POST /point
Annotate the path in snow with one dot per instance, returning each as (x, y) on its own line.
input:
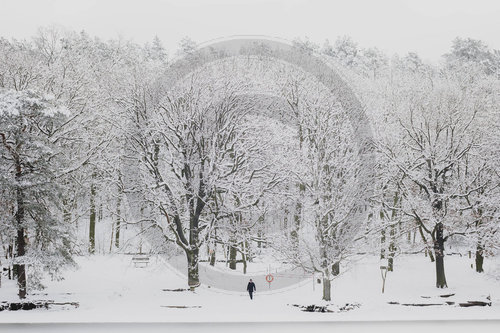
(237, 282)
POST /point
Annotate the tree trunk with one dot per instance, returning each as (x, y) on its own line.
(99, 212)
(440, 276)
(232, 256)
(323, 252)
(112, 236)
(390, 264)
(294, 234)
(212, 255)
(392, 249)
(244, 257)
(439, 251)
(479, 259)
(92, 219)
(326, 288)
(118, 223)
(66, 212)
(392, 235)
(382, 243)
(285, 220)
(260, 233)
(193, 273)
(249, 252)
(118, 212)
(213, 249)
(336, 268)
(10, 254)
(20, 268)
(297, 218)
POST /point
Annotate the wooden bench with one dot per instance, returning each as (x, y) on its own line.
(140, 261)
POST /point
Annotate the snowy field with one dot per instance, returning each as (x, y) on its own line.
(111, 289)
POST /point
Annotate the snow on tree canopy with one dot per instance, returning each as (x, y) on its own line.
(14, 102)
(31, 161)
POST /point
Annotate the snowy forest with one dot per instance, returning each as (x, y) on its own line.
(108, 149)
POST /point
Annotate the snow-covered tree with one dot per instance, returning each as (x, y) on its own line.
(194, 150)
(437, 120)
(329, 169)
(31, 156)
(468, 51)
(344, 50)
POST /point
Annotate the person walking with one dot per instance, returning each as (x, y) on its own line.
(251, 288)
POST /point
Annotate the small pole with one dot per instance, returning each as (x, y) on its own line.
(383, 272)
(313, 281)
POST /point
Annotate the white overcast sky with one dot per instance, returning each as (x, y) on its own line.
(395, 26)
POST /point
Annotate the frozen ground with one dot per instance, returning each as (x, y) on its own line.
(110, 289)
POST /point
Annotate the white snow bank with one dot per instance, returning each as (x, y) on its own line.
(110, 289)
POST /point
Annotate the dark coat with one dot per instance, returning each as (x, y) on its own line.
(251, 287)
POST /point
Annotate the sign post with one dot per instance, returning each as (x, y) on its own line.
(269, 279)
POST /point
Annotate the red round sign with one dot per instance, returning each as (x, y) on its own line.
(269, 278)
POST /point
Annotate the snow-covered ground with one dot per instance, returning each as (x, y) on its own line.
(221, 277)
(111, 289)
